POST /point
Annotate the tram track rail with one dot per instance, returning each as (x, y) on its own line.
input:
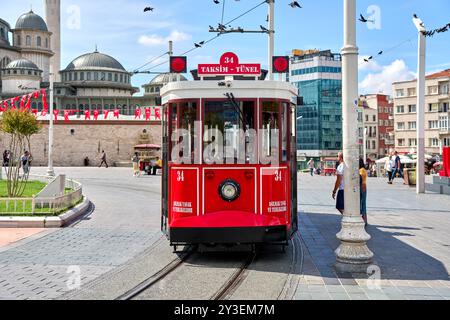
(157, 277)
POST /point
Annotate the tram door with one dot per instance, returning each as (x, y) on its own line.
(294, 204)
(165, 171)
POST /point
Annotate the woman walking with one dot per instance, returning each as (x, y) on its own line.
(363, 190)
(136, 169)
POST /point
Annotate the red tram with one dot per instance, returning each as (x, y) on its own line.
(229, 154)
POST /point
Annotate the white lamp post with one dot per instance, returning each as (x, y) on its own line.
(352, 255)
(50, 171)
(420, 168)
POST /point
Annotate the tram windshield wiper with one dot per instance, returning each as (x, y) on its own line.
(234, 103)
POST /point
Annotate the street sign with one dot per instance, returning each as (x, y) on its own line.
(229, 66)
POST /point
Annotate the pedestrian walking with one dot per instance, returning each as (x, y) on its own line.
(363, 190)
(6, 157)
(25, 161)
(389, 167)
(103, 159)
(136, 169)
(397, 166)
(311, 166)
(339, 184)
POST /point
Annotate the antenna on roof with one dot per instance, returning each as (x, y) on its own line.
(96, 48)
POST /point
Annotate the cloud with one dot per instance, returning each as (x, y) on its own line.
(368, 66)
(157, 40)
(381, 81)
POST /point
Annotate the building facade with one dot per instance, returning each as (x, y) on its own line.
(437, 99)
(318, 77)
(378, 123)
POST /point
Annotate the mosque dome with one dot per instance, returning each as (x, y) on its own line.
(95, 60)
(32, 21)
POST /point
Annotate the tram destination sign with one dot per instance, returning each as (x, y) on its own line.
(229, 66)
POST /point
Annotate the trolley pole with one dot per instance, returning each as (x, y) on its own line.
(352, 255)
(271, 33)
(50, 171)
(420, 168)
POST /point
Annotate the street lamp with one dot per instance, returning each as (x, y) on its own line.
(50, 171)
(352, 255)
(420, 168)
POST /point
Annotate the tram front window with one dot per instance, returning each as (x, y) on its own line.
(229, 132)
(183, 118)
(270, 131)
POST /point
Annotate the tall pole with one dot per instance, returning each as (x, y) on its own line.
(352, 255)
(365, 144)
(271, 28)
(50, 171)
(420, 169)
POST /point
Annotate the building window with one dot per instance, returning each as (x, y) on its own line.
(432, 90)
(103, 76)
(121, 78)
(88, 76)
(82, 76)
(39, 41)
(19, 41)
(400, 109)
(444, 89)
(443, 123)
(444, 107)
(116, 77)
(433, 142)
(412, 108)
(400, 126)
(399, 93)
(412, 125)
(433, 124)
(446, 142)
(401, 142)
(109, 76)
(95, 76)
(433, 107)
(28, 41)
(412, 142)
(46, 42)
(411, 92)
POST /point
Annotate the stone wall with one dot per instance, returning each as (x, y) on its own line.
(77, 140)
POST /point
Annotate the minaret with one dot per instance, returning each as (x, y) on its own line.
(53, 20)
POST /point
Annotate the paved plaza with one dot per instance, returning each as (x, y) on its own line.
(410, 240)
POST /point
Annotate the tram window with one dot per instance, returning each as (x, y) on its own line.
(270, 132)
(284, 130)
(229, 132)
(182, 130)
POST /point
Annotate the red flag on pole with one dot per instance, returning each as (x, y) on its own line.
(66, 115)
(87, 115)
(22, 101)
(55, 113)
(116, 113)
(36, 94)
(35, 112)
(148, 114)
(157, 113)
(44, 99)
(137, 113)
(44, 112)
(105, 113)
(96, 114)
(28, 104)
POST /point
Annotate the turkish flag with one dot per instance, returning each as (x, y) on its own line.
(55, 113)
(28, 104)
(36, 94)
(116, 113)
(157, 113)
(148, 114)
(137, 113)
(44, 99)
(66, 115)
(22, 101)
(5, 105)
(105, 113)
(87, 115)
(44, 112)
(96, 113)
(35, 112)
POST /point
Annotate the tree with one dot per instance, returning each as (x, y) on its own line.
(20, 126)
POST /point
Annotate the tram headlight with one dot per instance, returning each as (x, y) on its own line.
(229, 190)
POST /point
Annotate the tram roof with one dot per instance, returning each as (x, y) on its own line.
(214, 89)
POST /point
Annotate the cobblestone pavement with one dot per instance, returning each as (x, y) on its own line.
(410, 240)
(125, 222)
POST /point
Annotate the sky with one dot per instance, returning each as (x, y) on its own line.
(121, 29)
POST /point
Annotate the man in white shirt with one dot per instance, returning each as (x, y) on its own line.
(311, 166)
(339, 185)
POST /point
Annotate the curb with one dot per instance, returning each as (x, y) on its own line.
(46, 222)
